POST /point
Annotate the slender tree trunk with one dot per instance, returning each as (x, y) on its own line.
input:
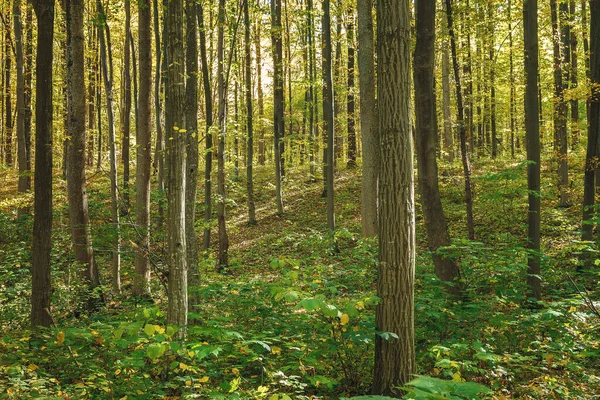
(223, 258)
(573, 72)
(28, 74)
(395, 358)
(91, 65)
(310, 37)
(161, 83)
(328, 114)
(126, 101)
(288, 74)
(350, 95)
(99, 107)
(448, 141)
(208, 104)
(176, 183)
(192, 158)
(42, 221)
(76, 183)
(495, 139)
(107, 73)
(461, 125)
(24, 180)
(513, 90)
(368, 118)
(278, 98)
(259, 90)
(433, 213)
(249, 117)
(530, 28)
(8, 112)
(141, 286)
(560, 110)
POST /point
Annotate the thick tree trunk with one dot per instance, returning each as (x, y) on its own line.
(310, 37)
(141, 279)
(368, 118)
(8, 111)
(395, 358)
(513, 91)
(249, 117)
(107, 73)
(278, 98)
(448, 141)
(76, 183)
(28, 74)
(91, 66)
(461, 126)
(176, 184)
(42, 221)
(433, 213)
(126, 101)
(208, 104)
(192, 160)
(351, 163)
(532, 136)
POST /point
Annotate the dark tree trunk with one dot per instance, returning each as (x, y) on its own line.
(22, 152)
(350, 95)
(328, 114)
(126, 101)
(278, 99)
(433, 213)
(249, 117)
(532, 136)
(8, 112)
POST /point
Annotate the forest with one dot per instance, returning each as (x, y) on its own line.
(299, 199)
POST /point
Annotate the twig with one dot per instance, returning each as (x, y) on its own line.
(586, 297)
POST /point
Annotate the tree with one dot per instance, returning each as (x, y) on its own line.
(368, 118)
(107, 75)
(126, 105)
(176, 183)
(395, 358)
(433, 213)
(143, 153)
(8, 113)
(278, 98)
(532, 137)
(42, 222)
(76, 182)
(249, 117)
(350, 95)
(328, 115)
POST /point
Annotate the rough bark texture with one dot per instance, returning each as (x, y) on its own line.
(433, 213)
(573, 72)
(461, 125)
(249, 117)
(448, 141)
(395, 358)
(76, 183)
(278, 98)
(141, 278)
(310, 95)
(126, 106)
(350, 94)
(22, 141)
(42, 222)
(328, 114)
(368, 118)
(259, 93)
(530, 27)
(176, 184)
(191, 124)
(8, 112)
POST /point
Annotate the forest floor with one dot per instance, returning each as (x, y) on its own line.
(293, 315)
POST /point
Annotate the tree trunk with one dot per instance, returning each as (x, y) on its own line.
(28, 74)
(350, 96)
(278, 98)
(91, 65)
(395, 358)
(76, 182)
(310, 37)
(573, 72)
(126, 101)
(249, 117)
(42, 220)
(448, 142)
(368, 119)
(532, 136)
(328, 114)
(141, 281)
(513, 90)
(433, 213)
(176, 184)
(192, 161)
(208, 104)
(8, 112)
(259, 90)
(461, 126)
(107, 73)
(560, 110)
(24, 168)
(223, 257)
(593, 124)
(495, 139)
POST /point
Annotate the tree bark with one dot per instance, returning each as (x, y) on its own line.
(278, 98)
(433, 213)
(259, 93)
(351, 163)
(328, 114)
(176, 184)
(22, 143)
(530, 27)
(368, 119)
(42, 220)
(249, 117)
(395, 358)
(448, 142)
(8, 112)
(141, 281)
(126, 101)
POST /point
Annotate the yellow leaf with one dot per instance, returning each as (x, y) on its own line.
(171, 138)
(139, 392)
(344, 319)
(275, 350)
(32, 367)
(204, 379)
(175, 128)
(99, 340)
(159, 329)
(572, 309)
(549, 358)
(191, 354)
(183, 367)
(60, 337)
(456, 377)
(235, 371)
(117, 372)
(188, 383)
(436, 371)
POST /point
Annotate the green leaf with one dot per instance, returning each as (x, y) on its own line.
(149, 329)
(329, 310)
(155, 350)
(310, 304)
